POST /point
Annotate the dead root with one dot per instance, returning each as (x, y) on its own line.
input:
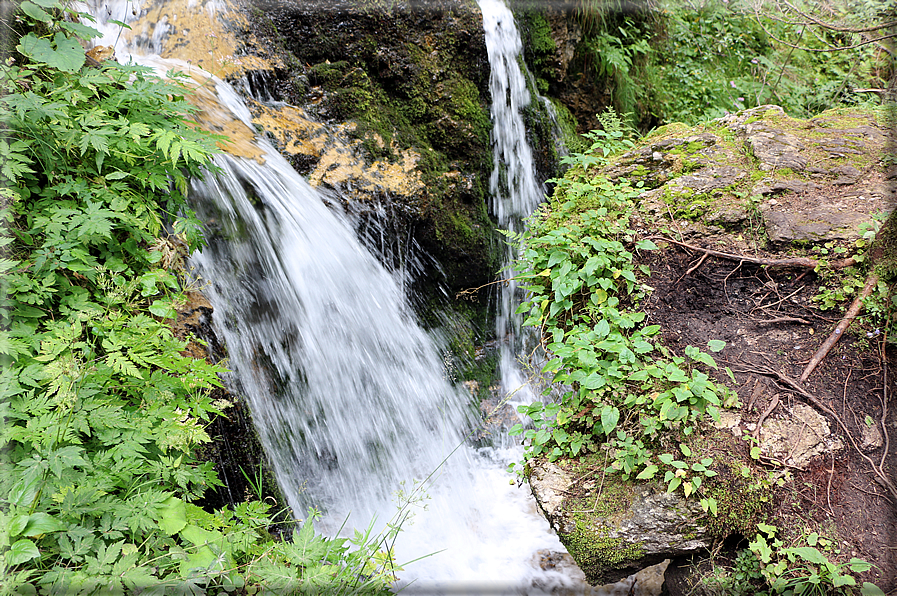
(784, 381)
(792, 262)
(849, 316)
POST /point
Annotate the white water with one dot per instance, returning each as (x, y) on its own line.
(515, 190)
(347, 392)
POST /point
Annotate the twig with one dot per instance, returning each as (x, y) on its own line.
(828, 490)
(699, 263)
(879, 471)
(772, 406)
(783, 320)
(802, 262)
(851, 314)
(777, 302)
(468, 291)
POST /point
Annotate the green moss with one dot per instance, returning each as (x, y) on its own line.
(539, 48)
(595, 551)
(573, 141)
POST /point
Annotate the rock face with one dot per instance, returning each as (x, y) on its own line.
(387, 105)
(615, 529)
(805, 180)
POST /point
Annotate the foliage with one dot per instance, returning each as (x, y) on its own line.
(102, 410)
(837, 287)
(626, 393)
(793, 570)
(689, 62)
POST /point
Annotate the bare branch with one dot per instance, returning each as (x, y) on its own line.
(832, 49)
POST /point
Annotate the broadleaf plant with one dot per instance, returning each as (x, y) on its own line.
(624, 388)
(103, 409)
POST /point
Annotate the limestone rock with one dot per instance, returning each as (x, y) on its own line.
(620, 527)
(798, 437)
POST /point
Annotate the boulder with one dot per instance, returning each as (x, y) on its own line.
(803, 180)
(614, 528)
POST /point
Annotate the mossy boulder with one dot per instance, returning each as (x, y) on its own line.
(813, 180)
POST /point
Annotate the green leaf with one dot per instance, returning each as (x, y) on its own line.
(647, 473)
(163, 308)
(645, 245)
(843, 580)
(36, 13)
(674, 484)
(808, 553)
(16, 525)
(609, 418)
(870, 589)
(684, 449)
(859, 565)
(308, 547)
(42, 523)
(715, 345)
(24, 491)
(172, 515)
(80, 29)
(68, 56)
(21, 551)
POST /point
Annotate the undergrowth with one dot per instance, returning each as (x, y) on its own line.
(623, 393)
(102, 410)
(690, 62)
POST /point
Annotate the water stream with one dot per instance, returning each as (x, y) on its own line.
(348, 393)
(515, 190)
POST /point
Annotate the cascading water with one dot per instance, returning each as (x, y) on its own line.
(515, 190)
(347, 392)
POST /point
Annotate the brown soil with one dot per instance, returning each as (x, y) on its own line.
(769, 323)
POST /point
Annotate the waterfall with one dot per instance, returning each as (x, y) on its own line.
(515, 190)
(348, 394)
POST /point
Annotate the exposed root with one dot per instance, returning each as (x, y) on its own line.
(797, 262)
(851, 314)
(880, 477)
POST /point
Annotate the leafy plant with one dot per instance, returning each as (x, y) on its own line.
(797, 570)
(102, 408)
(625, 389)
